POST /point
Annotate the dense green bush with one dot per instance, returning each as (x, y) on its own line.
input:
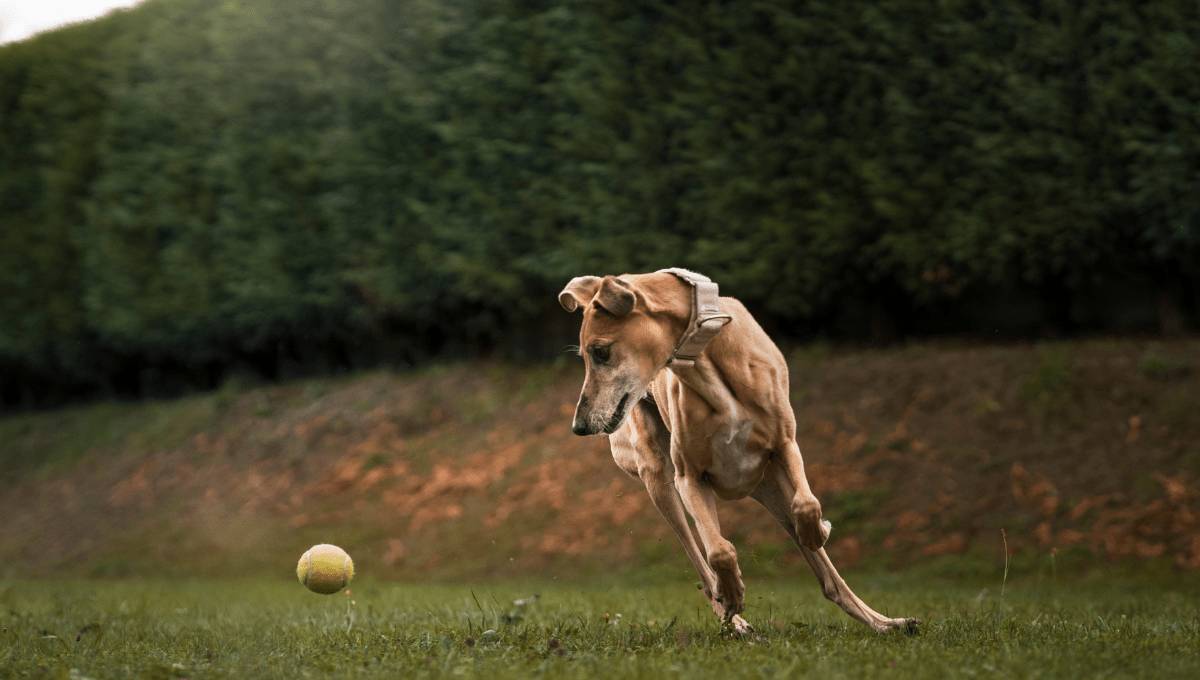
(193, 181)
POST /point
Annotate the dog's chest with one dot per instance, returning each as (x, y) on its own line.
(737, 464)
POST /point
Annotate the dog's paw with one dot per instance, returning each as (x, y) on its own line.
(901, 625)
(738, 626)
(725, 607)
(814, 535)
(729, 590)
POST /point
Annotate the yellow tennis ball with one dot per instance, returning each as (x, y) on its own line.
(325, 569)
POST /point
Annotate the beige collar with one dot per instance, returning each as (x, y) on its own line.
(707, 319)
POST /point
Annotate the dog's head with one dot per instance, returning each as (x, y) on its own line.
(625, 340)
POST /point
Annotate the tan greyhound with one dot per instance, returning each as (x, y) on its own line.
(699, 413)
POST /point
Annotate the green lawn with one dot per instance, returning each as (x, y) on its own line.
(1105, 625)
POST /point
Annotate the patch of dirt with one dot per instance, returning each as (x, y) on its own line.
(915, 453)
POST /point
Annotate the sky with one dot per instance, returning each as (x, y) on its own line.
(20, 19)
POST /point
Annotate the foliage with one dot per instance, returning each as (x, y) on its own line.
(54, 93)
(197, 182)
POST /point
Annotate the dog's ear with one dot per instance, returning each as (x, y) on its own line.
(579, 292)
(616, 296)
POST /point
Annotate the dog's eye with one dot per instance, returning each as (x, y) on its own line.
(600, 354)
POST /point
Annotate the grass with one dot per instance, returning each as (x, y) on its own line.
(1159, 366)
(43, 443)
(1049, 386)
(1110, 625)
(51, 441)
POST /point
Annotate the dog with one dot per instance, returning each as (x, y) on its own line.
(694, 397)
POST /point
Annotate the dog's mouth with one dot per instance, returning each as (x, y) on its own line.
(618, 415)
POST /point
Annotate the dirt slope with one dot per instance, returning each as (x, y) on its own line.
(471, 471)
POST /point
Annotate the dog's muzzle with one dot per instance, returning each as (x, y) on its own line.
(618, 415)
(582, 425)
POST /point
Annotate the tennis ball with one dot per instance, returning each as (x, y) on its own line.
(325, 569)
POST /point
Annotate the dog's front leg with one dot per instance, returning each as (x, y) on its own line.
(639, 448)
(661, 488)
(811, 529)
(701, 503)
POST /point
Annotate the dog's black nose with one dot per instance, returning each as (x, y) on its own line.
(580, 428)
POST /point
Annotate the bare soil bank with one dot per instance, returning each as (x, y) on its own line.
(472, 471)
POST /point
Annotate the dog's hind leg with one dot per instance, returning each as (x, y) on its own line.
(640, 448)
(836, 590)
(776, 495)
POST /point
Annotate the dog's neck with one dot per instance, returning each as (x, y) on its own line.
(690, 363)
(706, 318)
(706, 378)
